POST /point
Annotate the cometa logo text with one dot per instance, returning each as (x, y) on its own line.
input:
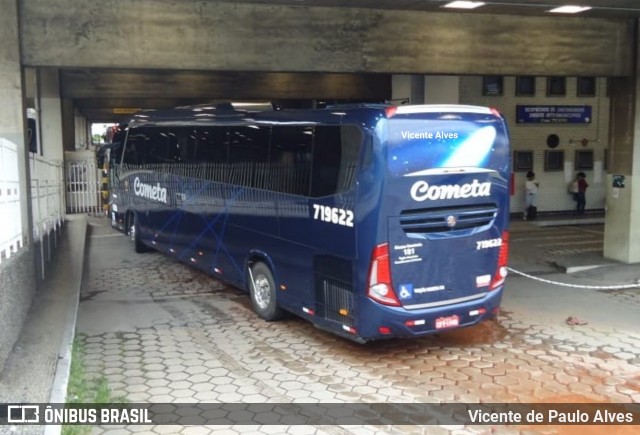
(422, 191)
(148, 191)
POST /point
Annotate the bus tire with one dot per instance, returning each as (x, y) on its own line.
(134, 234)
(262, 288)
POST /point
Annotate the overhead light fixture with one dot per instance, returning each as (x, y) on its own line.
(125, 110)
(570, 9)
(464, 5)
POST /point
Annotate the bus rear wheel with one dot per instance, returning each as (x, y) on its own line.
(263, 293)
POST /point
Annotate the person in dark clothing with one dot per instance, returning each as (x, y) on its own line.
(531, 190)
(582, 190)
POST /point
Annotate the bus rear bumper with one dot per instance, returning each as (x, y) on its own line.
(388, 322)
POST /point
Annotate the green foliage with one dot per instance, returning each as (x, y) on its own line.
(83, 389)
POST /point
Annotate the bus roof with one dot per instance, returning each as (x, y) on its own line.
(252, 113)
(436, 108)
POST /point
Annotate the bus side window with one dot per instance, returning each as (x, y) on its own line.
(181, 142)
(150, 145)
(248, 144)
(117, 147)
(290, 159)
(248, 150)
(351, 145)
(212, 145)
(327, 155)
(132, 149)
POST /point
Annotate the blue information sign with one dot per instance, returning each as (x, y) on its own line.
(553, 114)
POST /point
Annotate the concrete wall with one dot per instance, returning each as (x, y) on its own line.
(552, 195)
(50, 114)
(442, 89)
(169, 34)
(407, 89)
(622, 221)
(17, 283)
(17, 288)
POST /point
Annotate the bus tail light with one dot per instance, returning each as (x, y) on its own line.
(384, 330)
(380, 288)
(503, 257)
(390, 111)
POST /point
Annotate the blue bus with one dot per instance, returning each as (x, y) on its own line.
(371, 221)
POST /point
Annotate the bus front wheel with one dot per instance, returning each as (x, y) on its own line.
(263, 293)
(134, 234)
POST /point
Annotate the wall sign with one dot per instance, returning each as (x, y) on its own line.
(553, 114)
(618, 181)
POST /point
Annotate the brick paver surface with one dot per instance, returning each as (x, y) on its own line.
(208, 346)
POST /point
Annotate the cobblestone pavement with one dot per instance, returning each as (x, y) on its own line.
(161, 332)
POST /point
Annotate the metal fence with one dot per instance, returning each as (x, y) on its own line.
(47, 202)
(11, 237)
(47, 194)
(83, 185)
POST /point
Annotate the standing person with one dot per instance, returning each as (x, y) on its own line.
(531, 190)
(582, 190)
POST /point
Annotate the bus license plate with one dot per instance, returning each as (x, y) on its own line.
(447, 322)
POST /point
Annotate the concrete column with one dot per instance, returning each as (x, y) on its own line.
(13, 108)
(50, 114)
(17, 282)
(407, 89)
(68, 125)
(441, 89)
(83, 138)
(622, 221)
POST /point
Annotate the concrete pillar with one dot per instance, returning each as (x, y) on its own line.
(622, 221)
(407, 89)
(13, 108)
(83, 138)
(50, 114)
(68, 125)
(17, 283)
(441, 89)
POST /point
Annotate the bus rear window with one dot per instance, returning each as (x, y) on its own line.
(420, 146)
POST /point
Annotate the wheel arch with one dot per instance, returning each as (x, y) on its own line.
(129, 215)
(258, 256)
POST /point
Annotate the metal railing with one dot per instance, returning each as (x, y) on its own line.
(47, 204)
(47, 195)
(83, 186)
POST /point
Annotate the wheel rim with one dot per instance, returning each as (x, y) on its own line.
(262, 291)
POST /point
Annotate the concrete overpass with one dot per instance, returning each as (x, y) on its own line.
(74, 62)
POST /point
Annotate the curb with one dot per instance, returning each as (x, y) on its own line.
(63, 367)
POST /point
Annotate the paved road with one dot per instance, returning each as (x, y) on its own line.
(162, 332)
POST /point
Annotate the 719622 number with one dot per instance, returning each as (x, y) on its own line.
(333, 215)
